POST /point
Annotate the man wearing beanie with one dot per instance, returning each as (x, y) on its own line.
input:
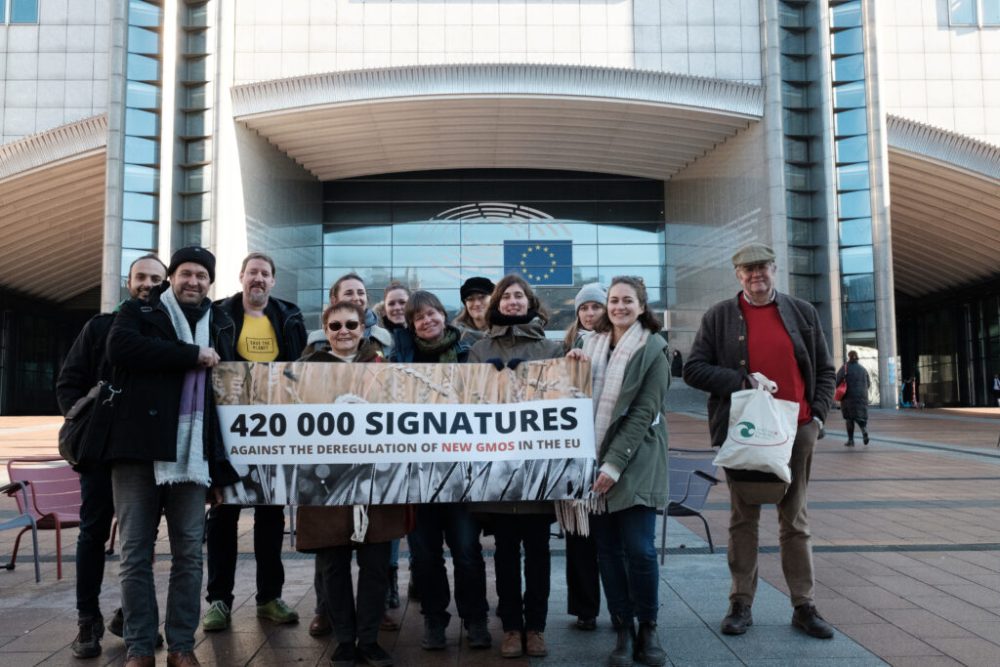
(166, 447)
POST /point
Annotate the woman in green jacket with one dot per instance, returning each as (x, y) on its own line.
(631, 375)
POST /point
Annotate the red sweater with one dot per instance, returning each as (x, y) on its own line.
(770, 351)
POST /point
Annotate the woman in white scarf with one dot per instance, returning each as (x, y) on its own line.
(631, 375)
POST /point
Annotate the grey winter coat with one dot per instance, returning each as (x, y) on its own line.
(854, 405)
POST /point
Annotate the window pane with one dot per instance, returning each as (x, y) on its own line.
(793, 68)
(139, 207)
(421, 232)
(196, 180)
(796, 178)
(853, 149)
(793, 42)
(858, 288)
(794, 96)
(856, 204)
(849, 68)
(853, 177)
(848, 41)
(143, 13)
(850, 122)
(137, 234)
(790, 16)
(426, 255)
(198, 151)
(3, 12)
(366, 234)
(141, 40)
(141, 151)
(143, 68)
(197, 16)
(991, 12)
(24, 11)
(141, 179)
(646, 255)
(856, 260)
(141, 123)
(194, 123)
(796, 150)
(196, 207)
(962, 12)
(195, 70)
(846, 15)
(142, 95)
(350, 256)
(848, 96)
(799, 205)
(796, 122)
(624, 234)
(857, 231)
(859, 316)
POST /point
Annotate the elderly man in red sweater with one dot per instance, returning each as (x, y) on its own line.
(780, 336)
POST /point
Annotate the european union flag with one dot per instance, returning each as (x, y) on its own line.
(540, 262)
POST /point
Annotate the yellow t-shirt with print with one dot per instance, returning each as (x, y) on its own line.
(257, 340)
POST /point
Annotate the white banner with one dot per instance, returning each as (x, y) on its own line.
(408, 433)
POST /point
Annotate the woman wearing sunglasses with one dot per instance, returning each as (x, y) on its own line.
(326, 531)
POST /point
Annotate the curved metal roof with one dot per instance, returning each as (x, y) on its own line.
(609, 120)
(944, 193)
(52, 203)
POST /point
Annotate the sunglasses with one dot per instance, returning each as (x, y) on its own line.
(337, 326)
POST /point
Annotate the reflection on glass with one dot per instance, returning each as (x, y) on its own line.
(793, 69)
(197, 151)
(141, 40)
(358, 255)
(139, 206)
(859, 316)
(800, 260)
(196, 207)
(195, 180)
(360, 234)
(858, 288)
(492, 232)
(137, 234)
(793, 42)
(799, 204)
(195, 69)
(854, 204)
(141, 151)
(790, 16)
(142, 68)
(848, 41)
(197, 16)
(796, 150)
(196, 42)
(849, 68)
(796, 177)
(195, 97)
(141, 179)
(846, 15)
(853, 176)
(856, 260)
(24, 11)
(849, 95)
(427, 255)
(852, 149)
(794, 96)
(795, 122)
(962, 12)
(194, 124)
(647, 254)
(142, 95)
(141, 123)
(991, 12)
(850, 122)
(856, 231)
(610, 233)
(144, 14)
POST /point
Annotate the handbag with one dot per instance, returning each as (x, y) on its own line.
(761, 431)
(841, 389)
(84, 435)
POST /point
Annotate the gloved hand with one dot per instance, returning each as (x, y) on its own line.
(496, 361)
(514, 363)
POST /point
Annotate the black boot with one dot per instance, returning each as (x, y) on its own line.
(624, 645)
(392, 592)
(647, 649)
(87, 643)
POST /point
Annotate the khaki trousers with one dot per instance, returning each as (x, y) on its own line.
(793, 523)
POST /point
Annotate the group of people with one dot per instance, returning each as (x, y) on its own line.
(164, 456)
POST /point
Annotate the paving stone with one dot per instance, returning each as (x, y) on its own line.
(922, 623)
(887, 640)
(973, 651)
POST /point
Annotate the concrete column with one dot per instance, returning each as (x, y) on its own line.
(111, 269)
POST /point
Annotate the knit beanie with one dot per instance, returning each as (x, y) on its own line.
(195, 254)
(592, 292)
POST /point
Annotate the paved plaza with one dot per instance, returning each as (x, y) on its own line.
(907, 546)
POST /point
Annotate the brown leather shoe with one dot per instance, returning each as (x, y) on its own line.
(140, 661)
(535, 644)
(512, 644)
(320, 626)
(182, 659)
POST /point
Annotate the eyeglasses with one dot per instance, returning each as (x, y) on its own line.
(337, 326)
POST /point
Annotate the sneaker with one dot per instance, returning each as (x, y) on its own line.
(116, 626)
(374, 655)
(88, 640)
(738, 620)
(434, 639)
(276, 610)
(478, 634)
(217, 617)
(512, 644)
(344, 656)
(807, 619)
(534, 642)
(320, 626)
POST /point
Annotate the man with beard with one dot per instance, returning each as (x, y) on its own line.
(86, 364)
(166, 447)
(267, 329)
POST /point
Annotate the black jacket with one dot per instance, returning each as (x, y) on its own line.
(149, 367)
(86, 363)
(286, 320)
(404, 349)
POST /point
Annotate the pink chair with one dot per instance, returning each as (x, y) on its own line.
(53, 497)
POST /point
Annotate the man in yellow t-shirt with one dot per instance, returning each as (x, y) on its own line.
(267, 329)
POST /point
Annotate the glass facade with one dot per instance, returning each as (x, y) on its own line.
(433, 230)
(141, 177)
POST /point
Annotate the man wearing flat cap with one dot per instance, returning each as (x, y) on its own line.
(780, 336)
(166, 447)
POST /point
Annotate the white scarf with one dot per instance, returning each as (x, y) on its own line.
(190, 464)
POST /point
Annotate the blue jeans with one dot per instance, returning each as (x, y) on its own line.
(138, 503)
(626, 556)
(451, 523)
(96, 513)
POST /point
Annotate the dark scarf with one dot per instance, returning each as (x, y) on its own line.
(443, 348)
(193, 314)
(498, 319)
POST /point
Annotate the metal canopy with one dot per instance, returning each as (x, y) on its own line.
(52, 210)
(945, 207)
(606, 120)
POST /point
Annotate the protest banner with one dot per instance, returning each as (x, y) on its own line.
(342, 434)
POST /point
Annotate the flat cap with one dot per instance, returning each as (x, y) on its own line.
(754, 253)
(476, 285)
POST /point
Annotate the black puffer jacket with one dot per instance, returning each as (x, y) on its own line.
(149, 366)
(286, 320)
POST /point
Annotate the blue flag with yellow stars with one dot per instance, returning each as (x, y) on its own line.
(540, 262)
